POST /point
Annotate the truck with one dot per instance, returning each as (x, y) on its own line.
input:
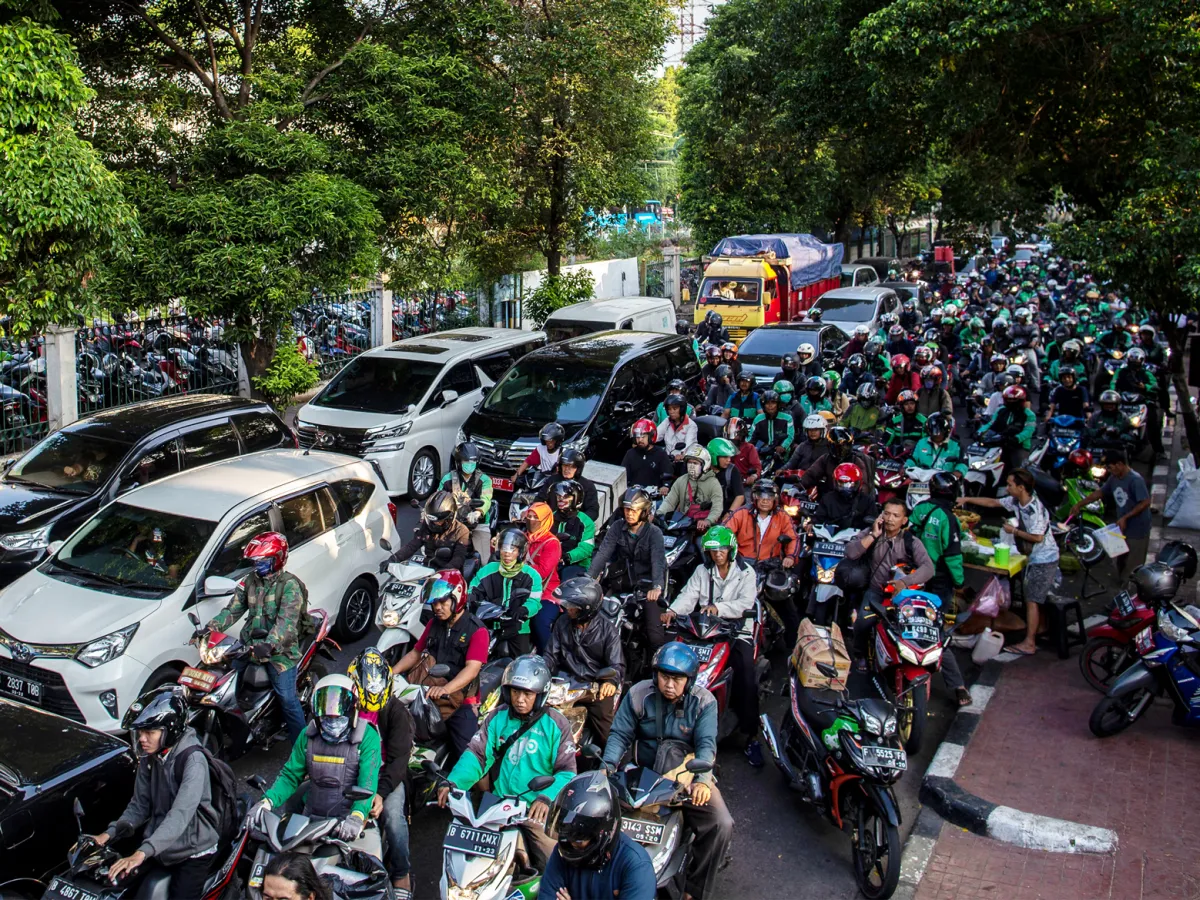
(759, 279)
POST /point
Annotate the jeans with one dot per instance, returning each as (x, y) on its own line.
(394, 823)
(284, 685)
(542, 623)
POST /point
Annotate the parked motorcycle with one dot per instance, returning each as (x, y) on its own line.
(1116, 643)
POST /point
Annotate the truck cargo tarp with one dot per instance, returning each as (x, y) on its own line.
(812, 260)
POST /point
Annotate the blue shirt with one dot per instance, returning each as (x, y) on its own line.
(628, 874)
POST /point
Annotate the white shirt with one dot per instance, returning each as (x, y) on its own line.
(764, 522)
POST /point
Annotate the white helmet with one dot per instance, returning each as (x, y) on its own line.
(807, 353)
(861, 331)
(697, 452)
(814, 422)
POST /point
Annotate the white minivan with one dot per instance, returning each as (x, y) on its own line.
(104, 619)
(653, 314)
(400, 406)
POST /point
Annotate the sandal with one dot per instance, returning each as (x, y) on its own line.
(964, 696)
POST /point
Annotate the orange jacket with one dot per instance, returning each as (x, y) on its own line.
(744, 525)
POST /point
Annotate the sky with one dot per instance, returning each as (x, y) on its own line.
(701, 10)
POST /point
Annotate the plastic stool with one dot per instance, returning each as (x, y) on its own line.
(1058, 610)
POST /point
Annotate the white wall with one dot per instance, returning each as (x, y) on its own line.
(606, 276)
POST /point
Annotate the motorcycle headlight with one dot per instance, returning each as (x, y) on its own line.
(390, 618)
(909, 655)
(27, 540)
(212, 654)
(1169, 629)
(1098, 472)
(107, 648)
(872, 725)
(1135, 421)
(889, 726)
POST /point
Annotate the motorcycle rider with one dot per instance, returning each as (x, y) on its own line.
(813, 447)
(763, 532)
(336, 751)
(697, 493)
(678, 429)
(910, 317)
(857, 341)
(855, 374)
(708, 372)
(658, 722)
(519, 741)
(510, 582)
(274, 601)
(635, 544)
(646, 463)
(1070, 357)
(729, 356)
(841, 449)
(372, 686)
(719, 391)
(545, 457)
(789, 370)
(543, 554)
(570, 468)
(902, 379)
(863, 414)
(806, 353)
(907, 424)
(726, 586)
(456, 638)
(575, 530)
(1108, 426)
(440, 528)
(677, 386)
(1135, 378)
(172, 801)
(878, 362)
(932, 397)
(1013, 427)
(851, 504)
(582, 644)
(815, 399)
(787, 399)
(733, 489)
(999, 366)
(746, 460)
(938, 449)
(1070, 398)
(745, 404)
(469, 485)
(593, 857)
(772, 431)
(711, 330)
(899, 343)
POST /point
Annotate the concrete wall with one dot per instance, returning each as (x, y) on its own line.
(612, 277)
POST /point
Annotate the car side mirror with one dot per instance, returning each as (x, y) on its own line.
(77, 808)
(623, 408)
(698, 766)
(8, 464)
(449, 397)
(541, 782)
(219, 586)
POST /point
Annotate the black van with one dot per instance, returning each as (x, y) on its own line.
(56, 486)
(596, 386)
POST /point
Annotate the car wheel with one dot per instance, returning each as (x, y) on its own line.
(423, 474)
(356, 611)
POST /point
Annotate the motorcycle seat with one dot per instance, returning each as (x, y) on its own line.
(817, 713)
(156, 886)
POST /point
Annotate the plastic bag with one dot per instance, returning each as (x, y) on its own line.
(1183, 506)
(992, 599)
(1112, 540)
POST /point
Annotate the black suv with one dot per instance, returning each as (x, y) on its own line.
(595, 386)
(55, 487)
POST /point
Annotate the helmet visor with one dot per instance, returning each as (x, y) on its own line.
(332, 701)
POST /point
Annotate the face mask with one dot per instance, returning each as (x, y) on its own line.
(468, 468)
(263, 567)
(694, 469)
(846, 489)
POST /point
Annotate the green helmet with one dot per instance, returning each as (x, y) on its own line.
(718, 447)
(834, 379)
(720, 538)
(785, 389)
(976, 323)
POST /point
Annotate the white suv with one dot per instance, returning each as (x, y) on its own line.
(400, 406)
(105, 617)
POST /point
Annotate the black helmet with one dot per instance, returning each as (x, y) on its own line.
(677, 386)
(638, 499)
(439, 511)
(723, 371)
(815, 387)
(583, 593)
(768, 397)
(586, 812)
(1155, 582)
(790, 362)
(572, 457)
(857, 363)
(714, 319)
(1180, 557)
(853, 580)
(840, 442)
(938, 425)
(873, 347)
(552, 432)
(868, 394)
(675, 400)
(944, 486)
(526, 673)
(568, 488)
(466, 456)
(164, 708)
(513, 537)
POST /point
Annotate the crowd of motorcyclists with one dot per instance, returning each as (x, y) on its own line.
(755, 473)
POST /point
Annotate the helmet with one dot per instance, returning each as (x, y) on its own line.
(1155, 582)
(696, 452)
(729, 347)
(719, 447)
(1021, 314)
(936, 313)
(466, 458)
(939, 425)
(1179, 556)
(445, 583)
(764, 487)
(840, 442)
(1071, 350)
(790, 362)
(906, 396)
(539, 519)
(676, 658)
(1014, 395)
(719, 538)
(710, 315)
(675, 400)
(910, 304)
(268, 552)
(723, 371)
(1136, 357)
(815, 387)
(888, 321)
(785, 390)
(932, 375)
(677, 386)
(582, 593)
(514, 538)
(371, 678)
(815, 423)
(1147, 328)
(862, 331)
(815, 313)
(975, 323)
(847, 477)
(585, 812)
(569, 489)
(873, 347)
(744, 375)
(1014, 371)
(164, 708)
(896, 333)
(999, 324)
(807, 353)
(636, 498)
(899, 362)
(646, 427)
(572, 457)
(713, 353)
(526, 673)
(333, 707)
(1080, 459)
(1066, 371)
(769, 397)
(867, 394)
(552, 432)
(944, 486)
(998, 359)
(923, 356)
(856, 363)
(1110, 396)
(737, 429)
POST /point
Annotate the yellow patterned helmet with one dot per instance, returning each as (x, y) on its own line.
(372, 680)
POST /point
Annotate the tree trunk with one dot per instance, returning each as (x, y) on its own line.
(258, 354)
(554, 262)
(1178, 338)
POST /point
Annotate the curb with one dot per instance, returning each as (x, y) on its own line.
(960, 807)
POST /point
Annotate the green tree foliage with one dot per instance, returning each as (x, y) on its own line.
(555, 292)
(61, 210)
(288, 374)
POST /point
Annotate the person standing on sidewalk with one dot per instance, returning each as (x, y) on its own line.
(1128, 492)
(1032, 533)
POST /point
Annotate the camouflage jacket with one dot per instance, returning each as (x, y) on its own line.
(277, 604)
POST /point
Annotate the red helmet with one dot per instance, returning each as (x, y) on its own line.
(847, 474)
(899, 361)
(268, 547)
(1081, 459)
(1014, 393)
(446, 583)
(905, 396)
(646, 427)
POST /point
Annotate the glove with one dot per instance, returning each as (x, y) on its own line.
(348, 829)
(254, 818)
(261, 652)
(473, 517)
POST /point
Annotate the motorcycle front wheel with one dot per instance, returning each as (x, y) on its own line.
(1103, 659)
(911, 710)
(1113, 715)
(875, 847)
(1082, 542)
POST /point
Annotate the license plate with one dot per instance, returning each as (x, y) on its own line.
(1143, 641)
(669, 542)
(67, 891)
(403, 591)
(888, 465)
(921, 632)
(703, 651)
(829, 548)
(885, 757)
(642, 831)
(475, 841)
(919, 489)
(22, 689)
(502, 484)
(1123, 604)
(199, 679)
(1066, 435)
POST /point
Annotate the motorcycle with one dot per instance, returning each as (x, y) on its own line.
(526, 491)
(918, 485)
(679, 542)
(828, 549)
(1167, 668)
(401, 616)
(711, 638)
(890, 477)
(233, 712)
(843, 756)
(985, 465)
(566, 694)
(1134, 408)
(1116, 643)
(1063, 437)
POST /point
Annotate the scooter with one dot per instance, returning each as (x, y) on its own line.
(985, 464)
(1134, 408)
(1062, 439)
(430, 744)
(1116, 643)
(828, 549)
(890, 478)
(711, 638)
(400, 616)
(233, 712)
(918, 485)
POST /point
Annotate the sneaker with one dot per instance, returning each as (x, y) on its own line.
(754, 754)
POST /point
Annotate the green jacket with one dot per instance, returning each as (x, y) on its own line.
(896, 432)
(947, 458)
(1028, 425)
(585, 530)
(861, 418)
(491, 584)
(1080, 370)
(939, 531)
(809, 407)
(545, 749)
(277, 604)
(295, 770)
(481, 490)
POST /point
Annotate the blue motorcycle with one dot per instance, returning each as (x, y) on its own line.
(1169, 666)
(1063, 436)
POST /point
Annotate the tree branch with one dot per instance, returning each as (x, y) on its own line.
(212, 50)
(336, 64)
(186, 57)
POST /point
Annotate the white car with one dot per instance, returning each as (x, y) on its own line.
(401, 406)
(104, 619)
(850, 307)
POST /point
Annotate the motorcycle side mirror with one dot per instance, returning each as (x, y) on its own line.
(432, 768)
(356, 793)
(827, 670)
(607, 674)
(785, 539)
(698, 766)
(383, 566)
(476, 504)
(385, 544)
(258, 783)
(441, 670)
(541, 782)
(194, 619)
(442, 555)
(77, 808)
(589, 751)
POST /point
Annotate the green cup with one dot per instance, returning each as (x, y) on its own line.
(1001, 556)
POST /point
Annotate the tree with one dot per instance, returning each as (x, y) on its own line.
(61, 210)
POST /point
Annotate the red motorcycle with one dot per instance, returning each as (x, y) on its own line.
(712, 637)
(890, 478)
(1115, 644)
(909, 641)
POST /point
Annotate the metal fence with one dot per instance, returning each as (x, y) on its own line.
(332, 331)
(23, 408)
(421, 312)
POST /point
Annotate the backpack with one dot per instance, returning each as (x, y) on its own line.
(222, 786)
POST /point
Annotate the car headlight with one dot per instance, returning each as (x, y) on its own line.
(27, 540)
(390, 618)
(580, 443)
(107, 648)
(461, 437)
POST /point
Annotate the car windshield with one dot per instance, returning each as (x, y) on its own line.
(747, 291)
(765, 346)
(562, 330)
(379, 384)
(1024, 254)
(847, 309)
(73, 461)
(126, 546)
(549, 390)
